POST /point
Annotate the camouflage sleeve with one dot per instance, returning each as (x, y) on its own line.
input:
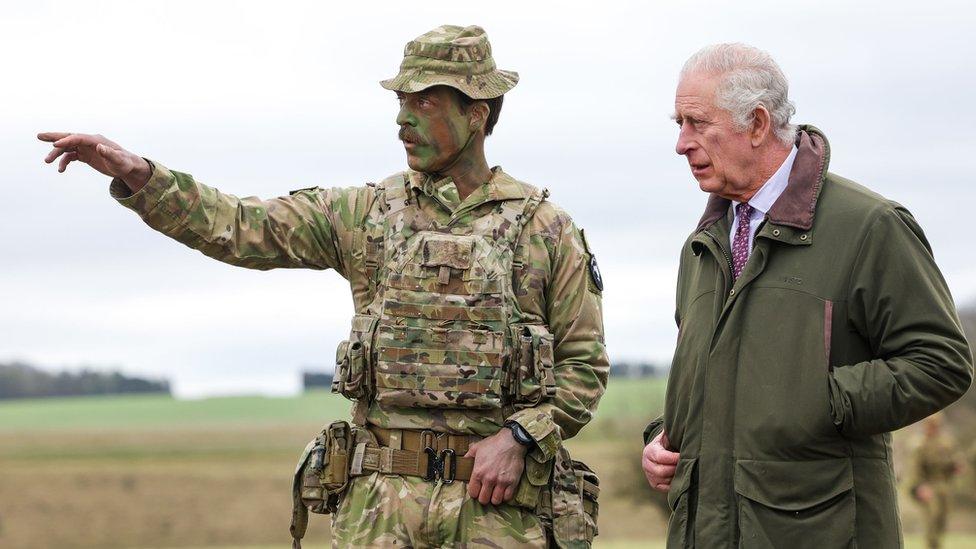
(310, 228)
(575, 316)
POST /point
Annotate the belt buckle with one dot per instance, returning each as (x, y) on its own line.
(452, 468)
(436, 462)
(434, 465)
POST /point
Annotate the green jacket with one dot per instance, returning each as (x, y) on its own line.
(785, 385)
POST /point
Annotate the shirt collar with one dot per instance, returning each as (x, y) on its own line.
(767, 195)
(501, 186)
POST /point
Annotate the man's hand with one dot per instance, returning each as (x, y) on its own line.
(498, 464)
(100, 153)
(659, 463)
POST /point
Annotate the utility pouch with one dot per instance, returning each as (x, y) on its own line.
(590, 490)
(531, 377)
(353, 363)
(321, 477)
(325, 471)
(572, 502)
(534, 481)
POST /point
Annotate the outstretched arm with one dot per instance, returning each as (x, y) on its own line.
(310, 229)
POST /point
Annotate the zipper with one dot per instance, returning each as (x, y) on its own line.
(728, 259)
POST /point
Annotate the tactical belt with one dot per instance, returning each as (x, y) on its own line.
(426, 454)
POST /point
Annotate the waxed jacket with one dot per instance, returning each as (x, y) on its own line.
(786, 383)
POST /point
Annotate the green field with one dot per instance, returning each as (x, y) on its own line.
(152, 471)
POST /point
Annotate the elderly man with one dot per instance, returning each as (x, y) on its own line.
(477, 345)
(812, 321)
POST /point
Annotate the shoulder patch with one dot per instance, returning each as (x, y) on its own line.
(596, 277)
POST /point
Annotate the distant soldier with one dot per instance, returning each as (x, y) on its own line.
(935, 465)
(477, 345)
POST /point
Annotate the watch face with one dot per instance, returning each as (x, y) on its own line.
(520, 434)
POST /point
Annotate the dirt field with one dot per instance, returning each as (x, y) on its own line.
(156, 472)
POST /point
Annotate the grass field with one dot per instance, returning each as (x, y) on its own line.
(151, 471)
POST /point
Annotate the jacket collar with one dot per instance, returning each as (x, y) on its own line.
(797, 205)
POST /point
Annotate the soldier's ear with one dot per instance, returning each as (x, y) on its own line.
(478, 115)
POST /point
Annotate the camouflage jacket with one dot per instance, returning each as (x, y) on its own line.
(934, 462)
(326, 228)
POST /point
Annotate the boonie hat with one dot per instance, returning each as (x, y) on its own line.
(459, 57)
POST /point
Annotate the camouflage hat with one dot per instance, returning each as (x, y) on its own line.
(459, 57)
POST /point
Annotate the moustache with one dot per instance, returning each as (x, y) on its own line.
(408, 135)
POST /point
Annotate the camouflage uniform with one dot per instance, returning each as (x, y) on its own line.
(444, 290)
(934, 465)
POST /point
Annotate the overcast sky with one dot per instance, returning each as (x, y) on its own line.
(259, 98)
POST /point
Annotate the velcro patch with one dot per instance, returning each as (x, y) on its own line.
(448, 251)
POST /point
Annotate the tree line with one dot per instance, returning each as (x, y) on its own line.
(20, 380)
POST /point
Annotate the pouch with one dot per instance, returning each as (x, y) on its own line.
(534, 482)
(321, 477)
(353, 360)
(574, 507)
(531, 377)
(323, 473)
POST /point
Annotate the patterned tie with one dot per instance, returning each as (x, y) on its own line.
(740, 244)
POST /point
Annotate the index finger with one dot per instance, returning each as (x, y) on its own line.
(73, 140)
(51, 137)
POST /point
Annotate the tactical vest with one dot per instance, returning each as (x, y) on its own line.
(443, 329)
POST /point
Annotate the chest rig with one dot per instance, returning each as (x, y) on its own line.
(443, 329)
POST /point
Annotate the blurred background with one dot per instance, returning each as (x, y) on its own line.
(258, 99)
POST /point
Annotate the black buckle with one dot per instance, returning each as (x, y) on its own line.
(436, 464)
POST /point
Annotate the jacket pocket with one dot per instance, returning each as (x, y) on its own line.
(531, 367)
(782, 400)
(795, 504)
(682, 508)
(353, 360)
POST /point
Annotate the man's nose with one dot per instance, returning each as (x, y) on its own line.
(405, 118)
(685, 143)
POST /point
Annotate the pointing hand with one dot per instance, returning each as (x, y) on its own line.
(100, 153)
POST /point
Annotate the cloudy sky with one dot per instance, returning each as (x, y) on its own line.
(258, 98)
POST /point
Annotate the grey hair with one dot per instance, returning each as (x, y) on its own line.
(750, 78)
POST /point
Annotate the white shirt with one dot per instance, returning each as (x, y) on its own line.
(764, 198)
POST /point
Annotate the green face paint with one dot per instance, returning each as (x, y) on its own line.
(433, 128)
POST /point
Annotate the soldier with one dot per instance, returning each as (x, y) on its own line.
(935, 465)
(477, 345)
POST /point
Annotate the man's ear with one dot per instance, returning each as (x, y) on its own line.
(761, 126)
(478, 115)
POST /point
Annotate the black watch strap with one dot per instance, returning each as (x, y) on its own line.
(520, 434)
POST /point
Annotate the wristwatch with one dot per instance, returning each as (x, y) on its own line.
(520, 434)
